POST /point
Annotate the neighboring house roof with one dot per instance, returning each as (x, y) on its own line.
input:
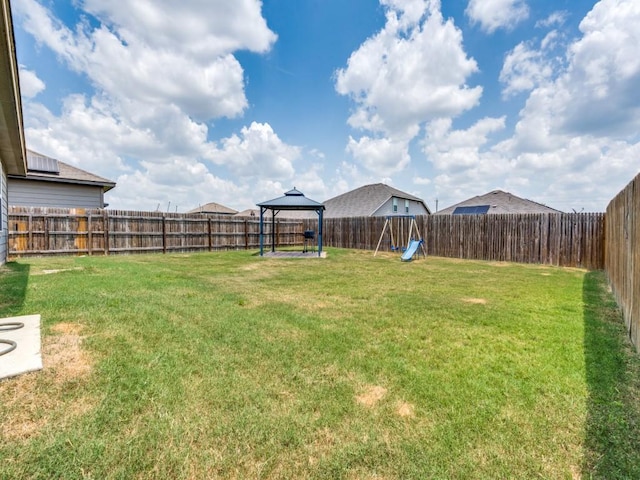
(47, 169)
(497, 202)
(12, 149)
(249, 212)
(255, 213)
(213, 208)
(366, 200)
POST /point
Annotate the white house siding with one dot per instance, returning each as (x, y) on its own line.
(415, 208)
(4, 230)
(29, 193)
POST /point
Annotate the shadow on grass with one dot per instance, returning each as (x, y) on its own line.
(14, 278)
(612, 444)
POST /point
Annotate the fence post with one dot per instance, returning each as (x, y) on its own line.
(30, 239)
(105, 228)
(46, 233)
(164, 234)
(89, 234)
(210, 240)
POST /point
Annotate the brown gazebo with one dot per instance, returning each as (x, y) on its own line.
(292, 200)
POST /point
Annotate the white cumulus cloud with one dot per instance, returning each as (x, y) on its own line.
(158, 75)
(575, 143)
(30, 84)
(526, 67)
(414, 70)
(451, 149)
(379, 153)
(495, 14)
(201, 29)
(126, 58)
(257, 151)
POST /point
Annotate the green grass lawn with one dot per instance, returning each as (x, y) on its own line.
(228, 365)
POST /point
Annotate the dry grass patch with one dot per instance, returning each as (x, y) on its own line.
(475, 301)
(371, 395)
(62, 353)
(325, 440)
(297, 299)
(495, 264)
(34, 400)
(290, 335)
(20, 396)
(56, 270)
(405, 409)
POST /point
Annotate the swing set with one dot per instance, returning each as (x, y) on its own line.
(413, 243)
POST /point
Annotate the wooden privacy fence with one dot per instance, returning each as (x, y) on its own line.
(41, 231)
(568, 240)
(622, 259)
(573, 240)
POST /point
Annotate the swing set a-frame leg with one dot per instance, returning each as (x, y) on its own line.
(384, 229)
(419, 236)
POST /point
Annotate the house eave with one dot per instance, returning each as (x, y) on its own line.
(12, 143)
(36, 178)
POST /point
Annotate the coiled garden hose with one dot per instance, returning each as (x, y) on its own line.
(7, 327)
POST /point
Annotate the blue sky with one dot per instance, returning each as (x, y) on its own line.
(237, 102)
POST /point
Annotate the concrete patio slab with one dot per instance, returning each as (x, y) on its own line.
(26, 356)
(292, 254)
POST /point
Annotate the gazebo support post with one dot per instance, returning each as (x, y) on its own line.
(262, 209)
(273, 229)
(320, 222)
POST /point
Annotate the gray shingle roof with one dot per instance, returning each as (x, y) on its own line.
(67, 174)
(501, 202)
(365, 200)
(213, 208)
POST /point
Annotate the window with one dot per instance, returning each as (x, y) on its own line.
(406, 206)
(395, 205)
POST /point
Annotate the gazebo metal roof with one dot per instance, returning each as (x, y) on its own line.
(294, 199)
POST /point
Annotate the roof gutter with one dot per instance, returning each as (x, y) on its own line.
(12, 143)
(106, 186)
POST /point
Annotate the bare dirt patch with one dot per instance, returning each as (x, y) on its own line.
(371, 396)
(476, 301)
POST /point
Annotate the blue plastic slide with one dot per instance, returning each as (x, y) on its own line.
(411, 250)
